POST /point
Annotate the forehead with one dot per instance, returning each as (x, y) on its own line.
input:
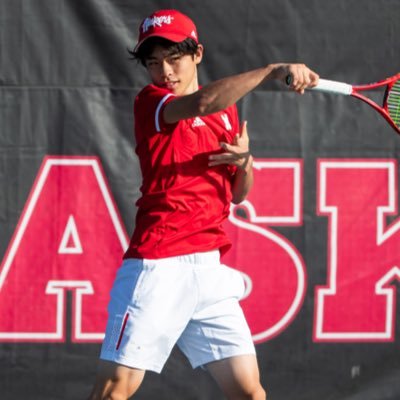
(161, 52)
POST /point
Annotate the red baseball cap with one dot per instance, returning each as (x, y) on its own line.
(168, 24)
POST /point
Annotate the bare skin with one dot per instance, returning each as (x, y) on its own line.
(115, 382)
(238, 378)
(238, 154)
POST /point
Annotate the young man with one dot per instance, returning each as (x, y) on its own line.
(171, 288)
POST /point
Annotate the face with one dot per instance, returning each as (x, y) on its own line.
(176, 72)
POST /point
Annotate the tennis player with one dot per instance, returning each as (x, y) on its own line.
(194, 155)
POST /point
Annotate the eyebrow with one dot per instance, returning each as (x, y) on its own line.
(172, 54)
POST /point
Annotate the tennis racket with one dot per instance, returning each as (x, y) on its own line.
(390, 108)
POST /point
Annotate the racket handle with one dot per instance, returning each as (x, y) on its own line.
(324, 85)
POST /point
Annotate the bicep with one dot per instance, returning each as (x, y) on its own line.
(180, 108)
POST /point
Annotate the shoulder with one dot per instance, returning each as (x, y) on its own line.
(149, 105)
(152, 93)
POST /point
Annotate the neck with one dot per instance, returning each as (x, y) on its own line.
(194, 86)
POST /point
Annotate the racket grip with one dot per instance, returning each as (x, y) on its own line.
(325, 85)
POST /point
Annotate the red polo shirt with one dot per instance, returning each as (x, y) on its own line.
(184, 201)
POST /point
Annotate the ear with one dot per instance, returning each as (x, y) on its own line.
(198, 56)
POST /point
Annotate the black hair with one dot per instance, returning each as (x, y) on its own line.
(188, 46)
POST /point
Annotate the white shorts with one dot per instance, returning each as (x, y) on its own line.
(191, 301)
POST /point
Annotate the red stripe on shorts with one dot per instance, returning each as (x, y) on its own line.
(122, 331)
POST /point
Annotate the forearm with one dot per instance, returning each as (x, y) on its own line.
(221, 94)
(243, 181)
(217, 95)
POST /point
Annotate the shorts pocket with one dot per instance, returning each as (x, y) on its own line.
(113, 330)
(125, 286)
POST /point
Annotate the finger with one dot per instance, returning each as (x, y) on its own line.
(230, 148)
(308, 77)
(302, 79)
(224, 157)
(314, 79)
(295, 72)
(243, 128)
(305, 82)
(222, 161)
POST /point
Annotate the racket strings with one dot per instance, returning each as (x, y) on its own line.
(393, 103)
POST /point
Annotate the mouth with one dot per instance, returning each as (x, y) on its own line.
(170, 84)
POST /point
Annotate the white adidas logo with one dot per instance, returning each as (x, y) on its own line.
(198, 122)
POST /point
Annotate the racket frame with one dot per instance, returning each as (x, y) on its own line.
(346, 89)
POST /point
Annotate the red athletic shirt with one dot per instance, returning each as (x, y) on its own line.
(184, 201)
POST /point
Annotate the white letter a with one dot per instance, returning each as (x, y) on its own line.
(70, 242)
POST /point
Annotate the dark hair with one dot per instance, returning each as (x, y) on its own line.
(188, 46)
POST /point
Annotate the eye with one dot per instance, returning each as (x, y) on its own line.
(151, 63)
(175, 58)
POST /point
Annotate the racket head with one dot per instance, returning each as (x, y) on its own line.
(390, 109)
(391, 103)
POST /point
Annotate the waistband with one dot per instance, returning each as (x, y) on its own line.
(204, 258)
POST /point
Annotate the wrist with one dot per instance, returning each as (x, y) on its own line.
(247, 164)
(277, 71)
(270, 72)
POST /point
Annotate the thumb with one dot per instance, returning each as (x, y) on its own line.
(243, 129)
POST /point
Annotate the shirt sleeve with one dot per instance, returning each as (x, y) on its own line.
(149, 107)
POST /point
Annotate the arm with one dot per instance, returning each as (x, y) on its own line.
(224, 92)
(243, 182)
(237, 154)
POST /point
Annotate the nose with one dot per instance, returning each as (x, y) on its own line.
(166, 69)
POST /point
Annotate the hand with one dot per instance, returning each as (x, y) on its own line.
(236, 153)
(301, 76)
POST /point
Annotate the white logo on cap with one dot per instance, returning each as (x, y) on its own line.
(194, 34)
(156, 21)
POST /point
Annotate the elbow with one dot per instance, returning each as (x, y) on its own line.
(237, 199)
(240, 194)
